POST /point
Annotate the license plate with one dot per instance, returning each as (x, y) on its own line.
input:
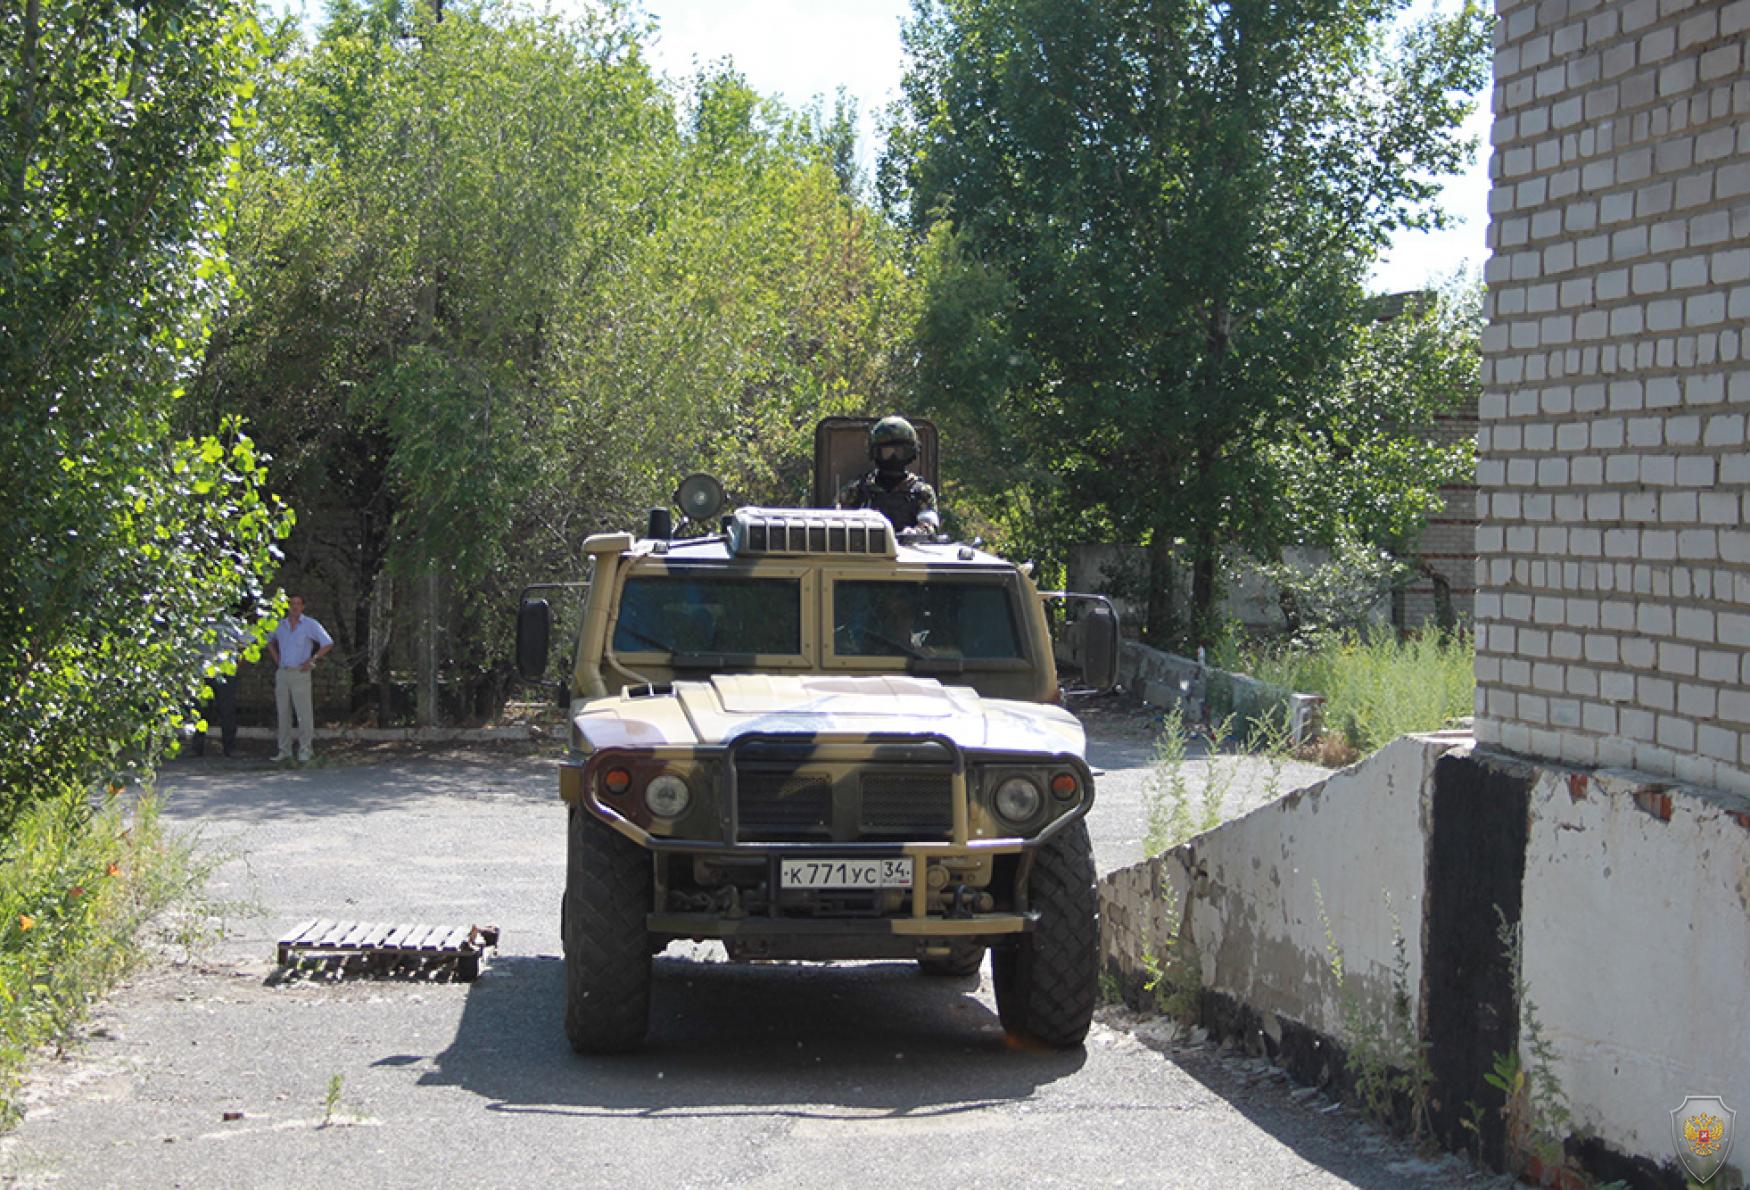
(845, 873)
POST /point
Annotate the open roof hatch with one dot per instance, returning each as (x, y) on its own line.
(841, 454)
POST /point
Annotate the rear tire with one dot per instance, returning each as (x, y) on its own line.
(607, 947)
(1047, 981)
(961, 961)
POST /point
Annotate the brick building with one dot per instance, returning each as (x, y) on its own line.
(1447, 548)
(1613, 571)
(1443, 584)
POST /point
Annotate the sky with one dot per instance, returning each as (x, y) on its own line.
(798, 49)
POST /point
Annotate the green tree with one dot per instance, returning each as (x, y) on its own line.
(499, 288)
(1147, 222)
(423, 202)
(1360, 472)
(1363, 462)
(763, 297)
(124, 541)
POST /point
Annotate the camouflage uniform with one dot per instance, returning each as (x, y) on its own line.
(900, 503)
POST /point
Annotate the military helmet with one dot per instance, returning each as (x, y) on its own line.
(894, 430)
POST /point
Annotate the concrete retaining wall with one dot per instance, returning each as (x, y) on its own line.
(1637, 949)
(1632, 899)
(1203, 693)
(1354, 842)
(413, 735)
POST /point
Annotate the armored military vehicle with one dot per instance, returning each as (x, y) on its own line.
(811, 738)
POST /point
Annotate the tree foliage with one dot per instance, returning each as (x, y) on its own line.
(1146, 226)
(125, 541)
(1363, 465)
(501, 287)
(763, 298)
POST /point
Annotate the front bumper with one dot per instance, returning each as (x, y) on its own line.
(918, 918)
(701, 926)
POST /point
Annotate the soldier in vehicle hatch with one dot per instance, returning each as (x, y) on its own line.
(890, 488)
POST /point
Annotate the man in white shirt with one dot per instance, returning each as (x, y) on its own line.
(297, 644)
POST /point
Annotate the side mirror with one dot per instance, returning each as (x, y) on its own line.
(1099, 627)
(534, 627)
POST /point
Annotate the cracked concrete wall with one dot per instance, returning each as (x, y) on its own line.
(1250, 893)
(1636, 927)
(1633, 904)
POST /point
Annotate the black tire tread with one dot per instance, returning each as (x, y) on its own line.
(607, 945)
(1047, 982)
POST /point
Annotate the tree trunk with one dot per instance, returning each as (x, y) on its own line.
(426, 701)
(426, 710)
(362, 644)
(1205, 545)
(1162, 619)
(1203, 612)
(382, 630)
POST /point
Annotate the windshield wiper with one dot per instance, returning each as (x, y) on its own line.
(906, 650)
(661, 646)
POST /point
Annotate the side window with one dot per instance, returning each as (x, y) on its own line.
(968, 621)
(710, 614)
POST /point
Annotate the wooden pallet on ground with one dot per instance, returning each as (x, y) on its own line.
(322, 938)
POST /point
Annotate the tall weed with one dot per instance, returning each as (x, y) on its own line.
(1377, 686)
(77, 886)
(1168, 794)
(1386, 1058)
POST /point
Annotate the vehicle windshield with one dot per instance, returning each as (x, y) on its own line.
(928, 619)
(710, 614)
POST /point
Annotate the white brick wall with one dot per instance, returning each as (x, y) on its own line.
(1613, 566)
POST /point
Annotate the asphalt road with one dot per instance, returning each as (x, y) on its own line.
(222, 1072)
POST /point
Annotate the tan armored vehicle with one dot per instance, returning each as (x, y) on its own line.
(810, 738)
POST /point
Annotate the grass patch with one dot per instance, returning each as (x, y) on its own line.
(1175, 973)
(77, 887)
(1377, 686)
(331, 1100)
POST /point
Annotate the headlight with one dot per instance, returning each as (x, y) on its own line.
(1018, 800)
(667, 796)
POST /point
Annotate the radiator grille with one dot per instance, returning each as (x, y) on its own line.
(909, 805)
(780, 806)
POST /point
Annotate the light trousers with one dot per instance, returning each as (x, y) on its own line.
(291, 692)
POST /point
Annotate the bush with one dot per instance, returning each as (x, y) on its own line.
(1377, 686)
(125, 542)
(76, 886)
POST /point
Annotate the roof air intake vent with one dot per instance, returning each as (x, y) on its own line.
(845, 531)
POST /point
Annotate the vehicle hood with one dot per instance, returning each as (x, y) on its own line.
(717, 711)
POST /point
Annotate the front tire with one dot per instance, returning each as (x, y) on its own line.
(1047, 981)
(607, 947)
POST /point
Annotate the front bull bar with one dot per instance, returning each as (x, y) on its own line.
(841, 746)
